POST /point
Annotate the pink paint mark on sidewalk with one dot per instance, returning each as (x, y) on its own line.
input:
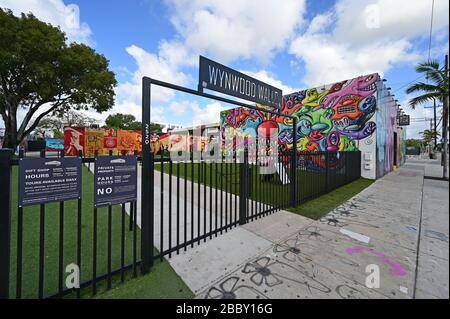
(396, 269)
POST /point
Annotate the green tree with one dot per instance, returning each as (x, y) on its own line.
(428, 136)
(122, 121)
(68, 118)
(58, 134)
(436, 89)
(413, 143)
(39, 68)
(128, 122)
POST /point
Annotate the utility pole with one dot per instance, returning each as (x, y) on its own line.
(445, 126)
(435, 124)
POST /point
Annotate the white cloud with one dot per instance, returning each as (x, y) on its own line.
(221, 29)
(67, 17)
(270, 79)
(397, 19)
(162, 66)
(207, 115)
(364, 38)
(320, 22)
(327, 61)
(229, 30)
(179, 108)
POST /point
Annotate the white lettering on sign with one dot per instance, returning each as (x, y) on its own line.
(103, 191)
(232, 82)
(34, 176)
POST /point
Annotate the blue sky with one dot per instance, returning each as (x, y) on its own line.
(291, 44)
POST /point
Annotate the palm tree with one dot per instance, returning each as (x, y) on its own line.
(435, 90)
(428, 136)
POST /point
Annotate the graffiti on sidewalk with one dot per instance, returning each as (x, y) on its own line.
(436, 235)
(231, 288)
(349, 292)
(345, 215)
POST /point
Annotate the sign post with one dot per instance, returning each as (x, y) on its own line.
(147, 190)
(5, 221)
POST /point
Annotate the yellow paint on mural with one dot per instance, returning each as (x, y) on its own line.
(93, 142)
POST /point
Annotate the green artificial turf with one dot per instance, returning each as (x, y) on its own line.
(312, 190)
(149, 285)
(319, 207)
(160, 283)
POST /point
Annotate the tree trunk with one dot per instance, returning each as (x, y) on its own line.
(11, 140)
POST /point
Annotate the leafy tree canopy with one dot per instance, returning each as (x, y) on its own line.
(435, 89)
(128, 122)
(44, 75)
(123, 122)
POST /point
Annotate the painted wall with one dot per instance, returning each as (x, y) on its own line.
(386, 114)
(336, 117)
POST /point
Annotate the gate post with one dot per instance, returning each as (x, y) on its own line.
(243, 188)
(5, 220)
(327, 162)
(147, 191)
(294, 165)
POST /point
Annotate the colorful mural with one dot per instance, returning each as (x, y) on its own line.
(330, 118)
(386, 117)
(102, 141)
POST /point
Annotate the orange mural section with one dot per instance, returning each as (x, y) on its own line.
(93, 141)
(89, 140)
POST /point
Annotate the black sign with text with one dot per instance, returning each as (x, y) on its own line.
(115, 180)
(403, 120)
(45, 180)
(217, 77)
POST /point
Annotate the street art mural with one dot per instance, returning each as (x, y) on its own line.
(102, 141)
(386, 117)
(126, 142)
(330, 118)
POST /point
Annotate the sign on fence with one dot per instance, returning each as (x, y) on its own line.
(217, 77)
(115, 180)
(45, 180)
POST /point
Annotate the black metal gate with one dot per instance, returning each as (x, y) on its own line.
(186, 202)
(183, 202)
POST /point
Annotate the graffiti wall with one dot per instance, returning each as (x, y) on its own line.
(102, 141)
(338, 117)
(330, 118)
(386, 114)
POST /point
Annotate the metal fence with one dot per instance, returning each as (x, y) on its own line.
(192, 200)
(44, 239)
(199, 199)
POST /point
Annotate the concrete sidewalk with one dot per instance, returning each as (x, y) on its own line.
(400, 224)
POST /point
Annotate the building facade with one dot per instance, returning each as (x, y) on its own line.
(350, 115)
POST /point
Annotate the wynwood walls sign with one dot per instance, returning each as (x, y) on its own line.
(217, 77)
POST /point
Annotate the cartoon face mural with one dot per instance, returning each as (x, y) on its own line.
(330, 118)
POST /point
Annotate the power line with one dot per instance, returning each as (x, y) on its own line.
(431, 30)
(403, 86)
(418, 78)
